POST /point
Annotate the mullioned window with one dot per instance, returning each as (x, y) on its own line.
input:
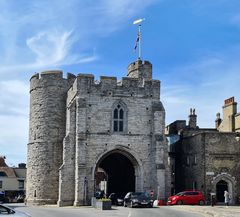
(119, 117)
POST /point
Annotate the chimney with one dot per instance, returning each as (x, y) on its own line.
(192, 123)
(229, 112)
(22, 165)
(218, 120)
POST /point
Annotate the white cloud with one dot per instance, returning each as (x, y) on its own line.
(50, 47)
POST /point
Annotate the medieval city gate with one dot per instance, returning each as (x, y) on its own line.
(79, 126)
(118, 172)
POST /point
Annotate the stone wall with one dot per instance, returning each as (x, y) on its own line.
(48, 92)
(217, 158)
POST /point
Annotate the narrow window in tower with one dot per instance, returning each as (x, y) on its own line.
(118, 119)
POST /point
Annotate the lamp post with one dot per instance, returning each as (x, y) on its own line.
(85, 191)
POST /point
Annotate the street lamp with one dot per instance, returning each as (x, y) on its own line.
(85, 190)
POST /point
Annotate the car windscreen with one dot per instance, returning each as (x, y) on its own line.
(180, 194)
(140, 195)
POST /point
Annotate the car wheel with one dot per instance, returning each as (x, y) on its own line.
(131, 204)
(124, 204)
(201, 202)
(179, 202)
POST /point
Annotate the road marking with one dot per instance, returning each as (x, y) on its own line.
(129, 214)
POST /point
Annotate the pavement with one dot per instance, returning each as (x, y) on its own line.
(209, 211)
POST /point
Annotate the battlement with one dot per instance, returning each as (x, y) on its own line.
(139, 63)
(52, 74)
(140, 69)
(85, 84)
(108, 82)
(52, 77)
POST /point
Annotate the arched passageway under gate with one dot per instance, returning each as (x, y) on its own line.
(116, 173)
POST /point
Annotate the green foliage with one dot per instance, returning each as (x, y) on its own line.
(104, 199)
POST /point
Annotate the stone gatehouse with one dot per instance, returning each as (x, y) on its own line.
(80, 128)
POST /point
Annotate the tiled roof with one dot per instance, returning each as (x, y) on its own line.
(5, 169)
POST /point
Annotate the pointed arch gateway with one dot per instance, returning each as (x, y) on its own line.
(224, 182)
(117, 171)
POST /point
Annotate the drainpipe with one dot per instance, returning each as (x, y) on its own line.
(204, 168)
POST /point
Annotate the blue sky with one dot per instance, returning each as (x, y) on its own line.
(194, 47)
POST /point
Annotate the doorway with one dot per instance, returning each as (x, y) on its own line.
(220, 188)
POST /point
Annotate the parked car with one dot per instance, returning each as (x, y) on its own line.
(187, 197)
(5, 210)
(116, 198)
(99, 194)
(137, 199)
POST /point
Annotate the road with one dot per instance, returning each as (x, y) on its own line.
(53, 211)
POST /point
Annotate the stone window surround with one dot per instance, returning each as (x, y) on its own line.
(125, 117)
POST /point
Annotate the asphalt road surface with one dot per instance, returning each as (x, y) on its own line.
(53, 211)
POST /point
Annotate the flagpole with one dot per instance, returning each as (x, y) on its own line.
(139, 43)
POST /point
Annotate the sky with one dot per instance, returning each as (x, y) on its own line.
(194, 47)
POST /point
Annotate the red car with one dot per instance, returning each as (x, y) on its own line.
(187, 197)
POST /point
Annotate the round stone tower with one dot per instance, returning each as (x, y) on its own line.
(48, 92)
(141, 70)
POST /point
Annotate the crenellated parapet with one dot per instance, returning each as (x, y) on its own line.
(85, 84)
(50, 78)
(141, 70)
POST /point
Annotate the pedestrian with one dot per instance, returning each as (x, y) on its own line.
(226, 198)
(213, 199)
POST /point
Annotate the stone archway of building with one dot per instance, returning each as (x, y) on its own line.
(223, 182)
(220, 188)
(122, 172)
